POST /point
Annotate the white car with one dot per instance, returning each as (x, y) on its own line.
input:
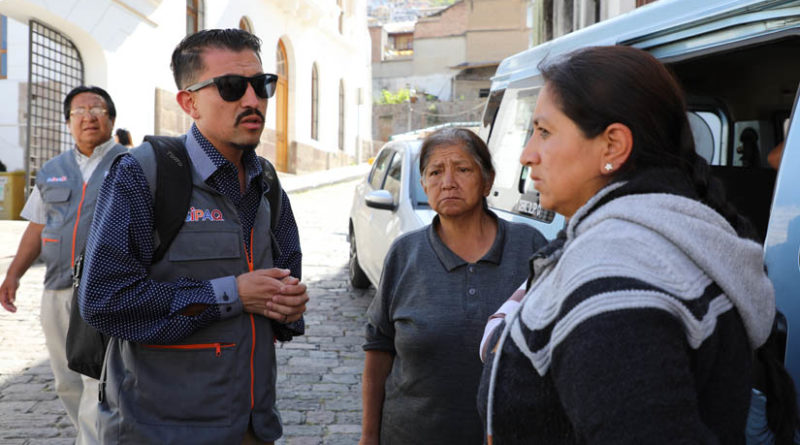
(388, 203)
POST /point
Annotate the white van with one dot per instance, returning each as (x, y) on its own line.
(739, 63)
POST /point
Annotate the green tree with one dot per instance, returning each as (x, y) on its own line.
(402, 95)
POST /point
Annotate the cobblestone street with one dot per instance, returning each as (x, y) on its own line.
(319, 393)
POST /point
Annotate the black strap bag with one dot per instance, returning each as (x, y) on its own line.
(86, 346)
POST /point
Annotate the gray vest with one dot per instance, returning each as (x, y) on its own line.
(67, 201)
(207, 388)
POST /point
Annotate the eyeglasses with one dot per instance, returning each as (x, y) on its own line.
(82, 112)
(232, 87)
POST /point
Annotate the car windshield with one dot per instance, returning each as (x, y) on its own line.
(418, 196)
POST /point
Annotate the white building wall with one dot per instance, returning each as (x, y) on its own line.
(11, 130)
(126, 46)
(439, 55)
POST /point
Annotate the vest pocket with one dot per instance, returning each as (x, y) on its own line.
(51, 247)
(186, 384)
(199, 245)
(56, 201)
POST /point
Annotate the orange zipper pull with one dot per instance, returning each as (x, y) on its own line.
(219, 349)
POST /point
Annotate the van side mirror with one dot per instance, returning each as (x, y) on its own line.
(380, 199)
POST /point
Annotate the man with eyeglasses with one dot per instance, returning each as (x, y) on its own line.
(60, 210)
(192, 358)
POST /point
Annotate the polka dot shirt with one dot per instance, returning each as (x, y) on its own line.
(116, 295)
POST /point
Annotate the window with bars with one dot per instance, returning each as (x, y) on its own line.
(314, 102)
(194, 16)
(55, 67)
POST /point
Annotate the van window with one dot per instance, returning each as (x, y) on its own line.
(512, 190)
(753, 140)
(489, 114)
(707, 132)
(513, 128)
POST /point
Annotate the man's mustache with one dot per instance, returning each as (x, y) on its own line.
(248, 112)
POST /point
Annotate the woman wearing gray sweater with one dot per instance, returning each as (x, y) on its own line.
(640, 320)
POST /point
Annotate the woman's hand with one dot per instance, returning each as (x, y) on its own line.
(497, 318)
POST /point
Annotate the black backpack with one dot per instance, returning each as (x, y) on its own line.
(86, 346)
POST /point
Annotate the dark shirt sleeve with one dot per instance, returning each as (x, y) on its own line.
(287, 238)
(116, 295)
(625, 377)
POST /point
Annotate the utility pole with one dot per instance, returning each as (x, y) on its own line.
(411, 93)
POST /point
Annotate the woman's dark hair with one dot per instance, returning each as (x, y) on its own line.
(186, 61)
(470, 141)
(124, 137)
(598, 86)
(112, 110)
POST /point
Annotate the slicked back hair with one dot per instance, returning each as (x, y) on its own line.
(187, 61)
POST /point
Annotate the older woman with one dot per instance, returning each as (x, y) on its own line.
(640, 320)
(438, 286)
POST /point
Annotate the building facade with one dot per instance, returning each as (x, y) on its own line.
(318, 119)
(554, 18)
(453, 51)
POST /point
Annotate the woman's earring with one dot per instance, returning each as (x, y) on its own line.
(609, 166)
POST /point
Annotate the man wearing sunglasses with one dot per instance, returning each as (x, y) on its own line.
(60, 210)
(193, 357)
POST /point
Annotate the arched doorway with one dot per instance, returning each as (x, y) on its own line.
(282, 109)
(245, 24)
(55, 67)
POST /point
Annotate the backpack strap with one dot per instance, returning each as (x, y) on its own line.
(173, 189)
(171, 185)
(272, 191)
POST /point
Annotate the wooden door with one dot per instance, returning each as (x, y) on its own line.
(282, 110)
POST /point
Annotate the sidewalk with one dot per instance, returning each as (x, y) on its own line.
(11, 231)
(301, 183)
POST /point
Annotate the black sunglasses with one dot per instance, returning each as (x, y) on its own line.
(232, 87)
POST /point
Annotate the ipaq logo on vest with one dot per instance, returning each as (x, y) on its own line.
(196, 215)
(57, 179)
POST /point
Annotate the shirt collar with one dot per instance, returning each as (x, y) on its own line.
(451, 261)
(98, 151)
(207, 159)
